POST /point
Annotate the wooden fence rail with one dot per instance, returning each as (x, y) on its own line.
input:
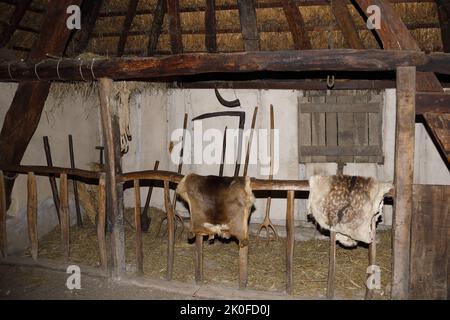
(167, 177)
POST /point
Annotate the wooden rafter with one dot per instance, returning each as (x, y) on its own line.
(14, 21)
(176, 41)
(22, 118)
(346, 24)
(393, 32)
(296, 25)
(443, 8)
(435, 102)
(156, 28)
(210, 26)
(132, 7)
(395, 36)
(247, 16)
(89, 14)
(438, 123)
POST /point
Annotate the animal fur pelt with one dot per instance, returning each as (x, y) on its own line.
(218, 205)
(348, 205)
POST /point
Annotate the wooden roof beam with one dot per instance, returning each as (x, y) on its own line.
(443, 8)
(210, 26)
(296, 25)
(189, 64)
(176, 40)
(156, 28)
(14, 21)
(346, 24)
(132, 6)
(247, 16)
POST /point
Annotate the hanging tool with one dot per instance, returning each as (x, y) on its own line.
(225, 103)
(267, 223)
(75, 185)
(241, 115)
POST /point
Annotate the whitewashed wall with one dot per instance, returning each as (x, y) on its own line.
(155, 113)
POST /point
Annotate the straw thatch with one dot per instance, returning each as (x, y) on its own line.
(420, 17)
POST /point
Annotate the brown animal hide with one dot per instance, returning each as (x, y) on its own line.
(218, 205)
(348, 205)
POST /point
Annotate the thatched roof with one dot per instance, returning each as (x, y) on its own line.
(421, 17)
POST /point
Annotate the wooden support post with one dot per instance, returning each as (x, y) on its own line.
(171, 230)
(137, 225)
(290, 240)
(48, 157)
(32, 215)
(3, 238)
(101, 222)
(111, 134)
(332, 266)
(75, 185)
(243, 266)
(198, 258)
(403, 180)
(65, 215)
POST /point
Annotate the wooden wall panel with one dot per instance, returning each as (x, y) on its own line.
(430, 236)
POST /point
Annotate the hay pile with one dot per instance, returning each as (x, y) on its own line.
(266, 262)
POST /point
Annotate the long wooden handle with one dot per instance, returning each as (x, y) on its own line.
(48, 156)
(250, 139)
(180, 165)
(272, 138)
(75, 186)
(150, 190)
(224, 150)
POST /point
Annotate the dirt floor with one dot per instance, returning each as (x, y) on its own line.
(266, 260)
(36, 283)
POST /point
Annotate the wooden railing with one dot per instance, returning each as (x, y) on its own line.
(168, 178)
(256, 184)
(94, 177)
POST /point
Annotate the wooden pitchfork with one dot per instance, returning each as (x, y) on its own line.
(267, 223)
